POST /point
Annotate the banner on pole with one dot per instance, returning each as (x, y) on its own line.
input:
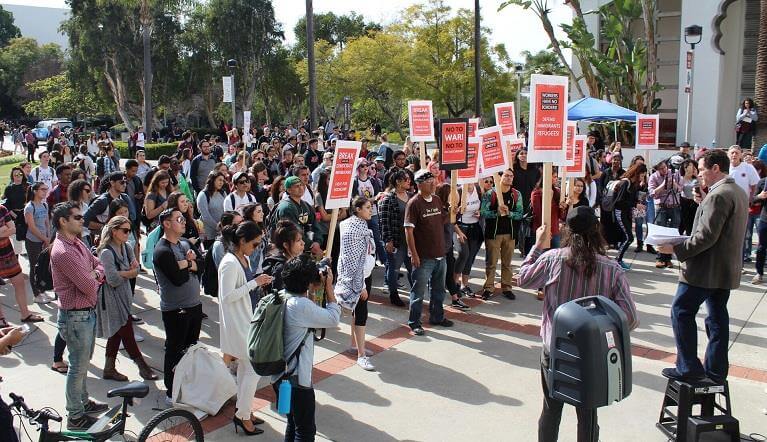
(470, 174)
(342, 174)
(506, 119)
(473, 127)
(548, 118)
(578, 168)
(493, 157)
(421, 118)
(647, 131)
(227, 81)
(453, 136)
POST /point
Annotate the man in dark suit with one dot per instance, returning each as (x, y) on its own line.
(711, 267)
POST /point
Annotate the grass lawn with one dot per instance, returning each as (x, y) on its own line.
(5, 174)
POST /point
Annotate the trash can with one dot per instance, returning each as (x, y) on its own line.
(590, 353)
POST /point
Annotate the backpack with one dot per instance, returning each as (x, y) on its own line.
(612, 194)
(43, 280)
(266, 347)
(147, 254)
(209, 275)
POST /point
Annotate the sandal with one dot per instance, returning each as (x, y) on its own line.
(63, 368)
(4, 323)
(32, 317)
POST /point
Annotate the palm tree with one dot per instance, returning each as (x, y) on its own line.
(761, 77)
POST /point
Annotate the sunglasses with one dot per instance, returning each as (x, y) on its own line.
(77, 217)
(17, 174)
(243, 181)
(181, 220)
(124, 230)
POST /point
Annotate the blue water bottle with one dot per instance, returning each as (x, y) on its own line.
(283, 401)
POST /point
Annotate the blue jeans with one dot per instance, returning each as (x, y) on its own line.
(393, 262)
(78, 328)
(639, 229)
(667, 217)
(748, 243)
(650, 211)
(430, 273)
(380, 251)
(683, 310)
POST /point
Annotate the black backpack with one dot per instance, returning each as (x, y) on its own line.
(209, 275)
(43, 280)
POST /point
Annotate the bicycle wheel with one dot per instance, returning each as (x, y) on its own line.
(172, 425)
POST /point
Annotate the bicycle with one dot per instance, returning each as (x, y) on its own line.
(173, 424)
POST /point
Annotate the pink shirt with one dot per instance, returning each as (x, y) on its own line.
(71, 267)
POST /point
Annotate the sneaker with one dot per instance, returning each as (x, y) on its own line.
(43, 298)
(353, 350)
(660, 265)
(747, 259)
(650, 249)
(136, 320)
(508, 294)
(639, 249)
(81, 423)
(364, 362)
(93, 407)
(168, 401)
(417, 330)
(757, 279)
(444, 323)
(486, 294)
(138, 337)
(625, 266)
(460, 305)
(669, 265)
(466, 291)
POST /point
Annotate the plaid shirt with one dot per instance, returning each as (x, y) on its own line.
(562, 283)
(71, 267)
(391, 220)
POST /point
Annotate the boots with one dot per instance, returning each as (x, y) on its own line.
(110, 372)
(640, 247)
(144, 370)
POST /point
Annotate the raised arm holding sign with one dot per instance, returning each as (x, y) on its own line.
(340, 186)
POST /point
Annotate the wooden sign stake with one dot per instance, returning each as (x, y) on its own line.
(564, 190)
(422, 154)
(453, 194)
(546, 197)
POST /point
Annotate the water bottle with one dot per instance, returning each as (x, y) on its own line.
(283, 401)
(713, 143)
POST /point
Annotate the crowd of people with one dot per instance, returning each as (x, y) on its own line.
(244, 216)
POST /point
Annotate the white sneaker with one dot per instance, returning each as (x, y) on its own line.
(364, 362)
(138, 337)
(353, 350)
(168, 401)
(757, 279)
(43, 298)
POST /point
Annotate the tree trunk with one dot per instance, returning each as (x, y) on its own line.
(648, 14)
(146, 30)
(761, 78)
(119, 93)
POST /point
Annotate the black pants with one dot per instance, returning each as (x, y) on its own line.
(689, 207)
(450, 284)
(182, 330)
(7, 433)
(59, 346)
(31, 152)
(623, 220)
(551, 415)
(301, 426)
(361, 310)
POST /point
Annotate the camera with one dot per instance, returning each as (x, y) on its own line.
(323, 265)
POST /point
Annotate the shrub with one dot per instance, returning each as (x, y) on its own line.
(153, 150)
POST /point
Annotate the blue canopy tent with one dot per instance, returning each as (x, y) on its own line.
(593, 109)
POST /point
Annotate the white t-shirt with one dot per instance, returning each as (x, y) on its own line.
(233, 201)
(45, 174)
(471, 213)
(745, 176)
(366, 189)
(140, 139)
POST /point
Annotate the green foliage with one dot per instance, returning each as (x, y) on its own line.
(334, 29)
(12, 159)
(23, 61)
(153, 150)
(8, 29)
(56, 96)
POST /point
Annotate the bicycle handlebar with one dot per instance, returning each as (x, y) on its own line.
(40, 416)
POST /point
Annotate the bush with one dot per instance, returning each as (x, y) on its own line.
(11, 159)
(153, 150)
(202, 131)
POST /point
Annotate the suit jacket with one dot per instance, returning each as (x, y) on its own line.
(712, 256)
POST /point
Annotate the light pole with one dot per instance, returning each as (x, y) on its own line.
(692, 36)
(477, 66)
(310, 60)
(232, 64)
(518, 68)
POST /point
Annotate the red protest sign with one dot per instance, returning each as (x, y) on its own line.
(468, 175)
(512, 146)
(578, 169)
(421, 117)
(571, 131)
(473, 127)
(453, 137)
(506, 119)
(491, 152)
(342, 174)
(647, 131)
(548, 118)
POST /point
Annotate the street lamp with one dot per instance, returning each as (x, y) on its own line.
(692, 36)
(518, 68)
(232, 64)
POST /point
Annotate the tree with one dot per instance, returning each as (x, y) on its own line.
(8, 29)
(334, 29)
(23, 61)
(542, 62)
(56, 96)
(761, 76)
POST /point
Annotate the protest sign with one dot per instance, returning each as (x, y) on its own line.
(492, 155)
(473, 127)
(647, 132)
(469, 174)
(578, 168)
(512, 147)
(421, 118)
(453, 138)
(548, 119)
(342, 174)
(505, 118)
(570, 144)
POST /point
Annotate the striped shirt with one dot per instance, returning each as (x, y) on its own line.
(563, 283)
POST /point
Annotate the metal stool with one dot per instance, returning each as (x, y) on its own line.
(684, 423)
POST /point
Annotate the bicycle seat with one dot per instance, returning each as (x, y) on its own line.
(134, 389)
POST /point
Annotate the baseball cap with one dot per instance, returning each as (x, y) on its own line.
(380, 158)
(423, 175)
(291, 181)
(581, 219)
(237, 176)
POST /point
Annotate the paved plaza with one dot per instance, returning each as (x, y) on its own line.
(479, 380)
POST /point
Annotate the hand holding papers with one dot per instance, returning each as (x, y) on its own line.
(658, 235)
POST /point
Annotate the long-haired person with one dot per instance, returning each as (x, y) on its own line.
(576, 195)
(156, 200)
(15, 197)
(449, 229)
(627, 198)
(687, 200)
(288, 242)
(391, 209)
(235, 285)
(11, 270)
(113, 318)
(355, 263)
(745, 123)
(254, 212)
(38, 233)
(210, 204)
(179, 201)
(470, 223)
(579, 268)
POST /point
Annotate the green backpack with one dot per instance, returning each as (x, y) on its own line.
(266, 346)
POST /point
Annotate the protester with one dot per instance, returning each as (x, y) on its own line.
(450, 229)
(97, 214)
(745, 123)
(302, 314)
(470, 223)
(295, 209)
(113, 318)
(156, 200)
(77, 275)
(745, 176)
(424, 218)
(210, 204)
(688, 205)
(38, 234)
(526, 176)
(710, 269)
(201, 166)
(176, 268)
(235, 285)
(626, 199)
(288, 244)
(15, 197)
(241, 194)
(391, 208)
(217, 249)
(11, 270)
(580, 268)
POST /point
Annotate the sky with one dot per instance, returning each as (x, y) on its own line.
(519, 30)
